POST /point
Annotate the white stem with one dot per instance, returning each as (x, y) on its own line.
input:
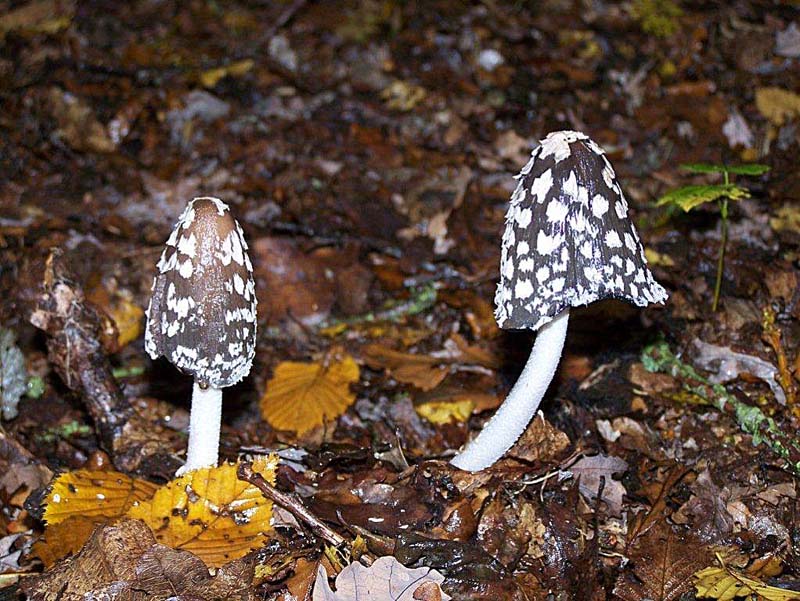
(514, 415)
(204, 424)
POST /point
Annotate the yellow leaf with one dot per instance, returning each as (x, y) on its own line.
(94, 494)
(402, 95)
(725, 584)
(210, 512)
(446, 412)
(211, 77)
(300, 396)
(777, 105)
(656, 258)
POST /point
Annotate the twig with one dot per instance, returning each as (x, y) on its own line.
(291, 503)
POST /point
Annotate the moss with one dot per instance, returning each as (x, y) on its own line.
(657, 17)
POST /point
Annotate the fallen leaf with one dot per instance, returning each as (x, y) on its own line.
(446, 412)
(661, 565)
(126, 314)
(423, 371)
(385, 580)
(77, 123)
(402, 95)
(210, 512)
(98, 495)
(777, 105)
(301, 396)
(211, 77)
(45, 16)
(726, 584)
(123, 562)
(591, 469)
(64, 538)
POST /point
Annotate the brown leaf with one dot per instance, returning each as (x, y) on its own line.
(541, 441)
(123, 562)
(661, 565)
(591, 469)
(422, 371)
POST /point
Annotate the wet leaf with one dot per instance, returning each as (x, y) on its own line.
(385, 580)
(99, 495)
(661, 565)
(301, 396)
(210, 512)
(591, 469)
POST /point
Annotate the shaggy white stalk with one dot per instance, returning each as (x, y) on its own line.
(514, 415)
(204, 425)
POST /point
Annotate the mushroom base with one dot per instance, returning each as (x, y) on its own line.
(204, 425)
(521, 404)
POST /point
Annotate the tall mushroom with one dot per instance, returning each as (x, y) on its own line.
(568, 242)
(202, 315)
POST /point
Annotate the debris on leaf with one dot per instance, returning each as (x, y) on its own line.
(302, 396)
(590, 471)
(385, 580)
(210, 512)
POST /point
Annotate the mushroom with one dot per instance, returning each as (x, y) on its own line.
(568, 242)
(202, 315)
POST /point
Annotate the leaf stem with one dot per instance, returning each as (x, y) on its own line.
(721, 256)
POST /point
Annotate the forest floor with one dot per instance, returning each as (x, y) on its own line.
(368, 150)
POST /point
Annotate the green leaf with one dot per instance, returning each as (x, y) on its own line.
(750, 169)
(703, 168)
(690, 197)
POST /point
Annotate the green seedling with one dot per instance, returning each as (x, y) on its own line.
(689, 197)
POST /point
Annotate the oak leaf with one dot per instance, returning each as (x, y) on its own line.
(385, 580)
(301, 396)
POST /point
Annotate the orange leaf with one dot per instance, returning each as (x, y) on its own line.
(211, 513)
(95, 494)
(64, 538)
(421, 371)
(80, 500)
(300, 396)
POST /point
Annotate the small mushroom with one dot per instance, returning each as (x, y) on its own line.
(202, 315)
(568, 242)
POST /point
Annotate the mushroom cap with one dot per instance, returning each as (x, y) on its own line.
(202, 314)
(568, 240)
